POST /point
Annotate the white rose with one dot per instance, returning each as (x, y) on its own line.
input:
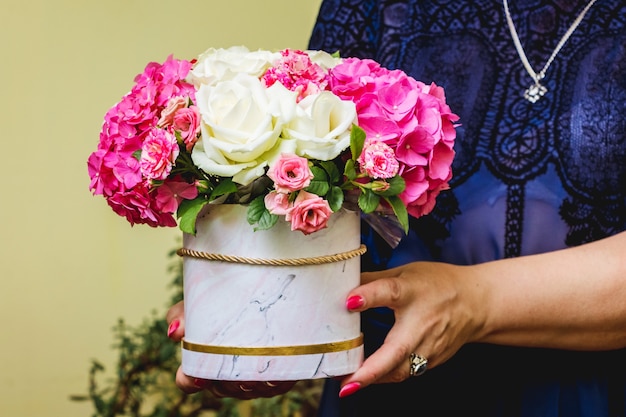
(323, 59)
(216, 65)
(321, 127)
(241, 124)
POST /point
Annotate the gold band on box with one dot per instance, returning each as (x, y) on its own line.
(316, 260)
(275, 350)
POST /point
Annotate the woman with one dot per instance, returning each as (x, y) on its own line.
(513, 291)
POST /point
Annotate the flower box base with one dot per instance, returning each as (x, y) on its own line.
(281, 319)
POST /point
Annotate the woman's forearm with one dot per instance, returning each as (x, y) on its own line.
(569, 299)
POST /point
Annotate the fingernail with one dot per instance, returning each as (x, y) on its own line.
(200, 383)
(349, 389)
(173, 327)
(354, 302)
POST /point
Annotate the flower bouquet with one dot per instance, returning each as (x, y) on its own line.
(267, 161)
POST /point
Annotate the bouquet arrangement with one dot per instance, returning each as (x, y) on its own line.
(292, 134)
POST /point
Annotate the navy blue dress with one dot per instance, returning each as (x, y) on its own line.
(528, 178)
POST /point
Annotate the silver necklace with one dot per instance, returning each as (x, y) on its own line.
(538, 90)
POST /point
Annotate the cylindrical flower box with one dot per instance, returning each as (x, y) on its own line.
(269, 305)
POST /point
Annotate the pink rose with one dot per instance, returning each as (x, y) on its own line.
(309, 213)
(158, 153)
(378, 160)
(277, 203)
(187, 122)
(298, 73)
(290, 173)
(173, 105)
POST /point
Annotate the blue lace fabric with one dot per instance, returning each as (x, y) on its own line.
(528, 178)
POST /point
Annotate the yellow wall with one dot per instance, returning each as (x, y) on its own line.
(69, 266)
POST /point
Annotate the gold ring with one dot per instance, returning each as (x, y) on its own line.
(417, 365)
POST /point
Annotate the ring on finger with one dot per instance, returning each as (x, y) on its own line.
(417, 364)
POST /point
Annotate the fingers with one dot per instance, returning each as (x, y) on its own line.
(380, 289)
(188, 384)
(430, 322)
(248, 390)
(175, 318)
(242, 390)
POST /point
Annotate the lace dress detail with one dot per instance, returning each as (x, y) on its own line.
(528, 178)
(577, 131)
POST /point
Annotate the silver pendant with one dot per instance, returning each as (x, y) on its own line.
(535, 92)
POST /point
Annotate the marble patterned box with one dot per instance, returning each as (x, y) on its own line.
(270, 322)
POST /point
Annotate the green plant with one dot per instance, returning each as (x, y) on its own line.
(143, 383)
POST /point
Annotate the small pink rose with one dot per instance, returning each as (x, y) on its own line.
(277, 203)
(296, 72)
(167, 114)
(187, 122)
(309, 213)
(378, 160)
(158, 153)
(290, 173)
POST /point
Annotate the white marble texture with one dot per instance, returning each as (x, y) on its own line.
(228, 304)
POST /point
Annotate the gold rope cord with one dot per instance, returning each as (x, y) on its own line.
(316, 260)
(275, 350)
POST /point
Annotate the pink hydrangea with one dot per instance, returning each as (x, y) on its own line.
(139, 208)
(409, 116)
(133, 151)
(172, 192)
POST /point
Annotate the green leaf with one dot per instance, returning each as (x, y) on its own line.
(258, 214)
(267, 221)
(368, 201)
(319, 184)
(331, 169)
(225, 186)
(318, 187)
(188, 212)
(335, 198)
(349, 170)
(396, 186)
(357, 139)
(400, 211)
(255, 210)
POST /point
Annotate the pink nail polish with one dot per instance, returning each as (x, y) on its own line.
(173, 327)
(200, 383)
(349, 389)
(354, 302)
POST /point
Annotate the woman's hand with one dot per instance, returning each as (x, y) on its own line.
(243, 390)
(437, 310)
(567, 299)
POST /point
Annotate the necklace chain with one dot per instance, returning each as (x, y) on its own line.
(538, 90)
